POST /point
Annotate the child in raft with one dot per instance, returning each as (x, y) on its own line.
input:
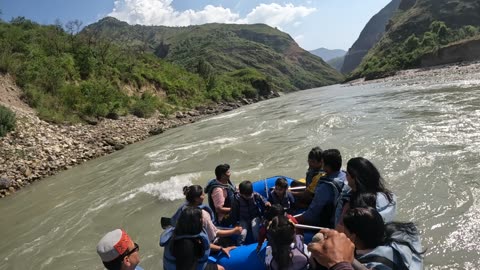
(248, 210)
(286, 249)
(281, 195)
(273, 211)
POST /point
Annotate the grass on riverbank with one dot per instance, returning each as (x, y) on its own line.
(67, 77)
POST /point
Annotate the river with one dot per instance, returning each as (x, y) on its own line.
(424, 136)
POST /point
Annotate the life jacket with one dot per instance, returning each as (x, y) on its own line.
(285, 201)
(247, 208)
(168, 237)
(229, 187)
(330, 216)
(184, 205)
(394, 256)
(299, 257)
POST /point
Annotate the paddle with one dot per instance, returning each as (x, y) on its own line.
(297, 188)
(165, 222)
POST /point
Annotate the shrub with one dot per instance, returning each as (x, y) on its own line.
(7, 120)
(145, 106)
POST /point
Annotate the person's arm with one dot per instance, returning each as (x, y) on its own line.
(335, 251)
(226, 250)
(229, 232)
(324, 195)
(264, 201)
(219, 201)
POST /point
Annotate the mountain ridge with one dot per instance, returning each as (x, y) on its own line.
(226, 48)
(327, 54)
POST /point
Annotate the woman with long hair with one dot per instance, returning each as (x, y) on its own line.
(194, 196)
(186, 246)
(286, 250)
(394, 245)
(364, 178)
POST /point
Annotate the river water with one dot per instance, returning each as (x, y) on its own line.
(424, 136)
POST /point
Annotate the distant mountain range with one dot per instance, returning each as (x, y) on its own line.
(327, 54)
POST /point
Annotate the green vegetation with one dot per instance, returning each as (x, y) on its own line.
(68, 76)
(217, 50)
(7, 120)
(408, 54)
(423, 29)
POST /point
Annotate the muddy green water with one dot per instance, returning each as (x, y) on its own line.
(423, 136)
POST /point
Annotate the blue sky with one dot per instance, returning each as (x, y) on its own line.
(333, 24)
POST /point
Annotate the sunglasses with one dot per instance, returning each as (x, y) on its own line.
(135, 249)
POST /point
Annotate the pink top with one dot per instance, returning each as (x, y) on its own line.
(218, 196)
(208, 226)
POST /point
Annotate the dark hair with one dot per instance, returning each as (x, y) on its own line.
(282, 234)
(367, 178)
(192, 192)
(115, 264)
(281, 182)
(221, 170)
(367, 224)
(245, 188)
(364, 200)
(188, 249)
(273, 211)
(315, 154)
(332, 159)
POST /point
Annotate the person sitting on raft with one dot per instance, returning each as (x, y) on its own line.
(188, 242)
(195, 196)
(383, 246)
(364, 178)
(323, 209)
(273, 211)
(314, 173)
(281, 195)
(286, 249)
(248, 210)
(221, 193)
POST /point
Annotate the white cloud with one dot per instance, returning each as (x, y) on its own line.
(161, 12)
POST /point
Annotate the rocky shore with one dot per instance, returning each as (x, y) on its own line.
(466, 71)
(37, 149)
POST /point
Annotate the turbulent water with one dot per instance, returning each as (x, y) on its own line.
(423, 136)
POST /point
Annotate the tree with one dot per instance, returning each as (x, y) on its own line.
(73, 28)
(412, 43)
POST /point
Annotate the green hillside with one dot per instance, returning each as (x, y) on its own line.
(223, 48)
(418, 30)
(113, 69)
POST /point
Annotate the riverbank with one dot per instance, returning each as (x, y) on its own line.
(37, 149)
(467, 71)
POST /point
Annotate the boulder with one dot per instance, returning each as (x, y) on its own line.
(5, 183)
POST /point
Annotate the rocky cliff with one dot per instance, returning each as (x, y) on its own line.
(369, 36)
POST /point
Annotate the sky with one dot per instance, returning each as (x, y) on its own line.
(332, 24)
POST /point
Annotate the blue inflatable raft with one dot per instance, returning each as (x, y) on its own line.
(245, 257)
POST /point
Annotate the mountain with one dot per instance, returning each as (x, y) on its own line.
(424, 33)
(327, 54)
(337, 62)
(224, 48)
(369, 36)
